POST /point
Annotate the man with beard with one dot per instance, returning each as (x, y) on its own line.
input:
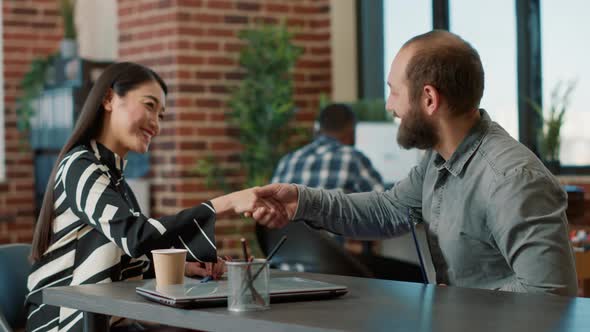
(494, 215)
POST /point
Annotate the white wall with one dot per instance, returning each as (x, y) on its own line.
(344, 50)
(141, 189)
(96, 24)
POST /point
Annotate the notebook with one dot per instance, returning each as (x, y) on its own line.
(193, 293)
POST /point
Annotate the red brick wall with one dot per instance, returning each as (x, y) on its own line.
(193, 44)
(31, 28)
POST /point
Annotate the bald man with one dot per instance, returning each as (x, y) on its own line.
(495, 216)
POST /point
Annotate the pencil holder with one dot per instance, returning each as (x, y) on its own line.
(248, 285)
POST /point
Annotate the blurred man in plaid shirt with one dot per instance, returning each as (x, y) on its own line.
(331, 161)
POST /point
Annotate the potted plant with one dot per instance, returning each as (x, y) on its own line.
(261, 108)
(366, 110)
(32, 85)
(553, 119)
(262, 105)
(40, 71)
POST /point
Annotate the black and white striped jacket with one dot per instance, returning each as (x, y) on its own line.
(99, 234)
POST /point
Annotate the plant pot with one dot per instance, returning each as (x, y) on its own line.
(68, 48)
(554, 166)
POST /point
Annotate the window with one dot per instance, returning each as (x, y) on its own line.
(493, 35)
(498, 55)
(564, 57)
(401, 22)
(501, 39)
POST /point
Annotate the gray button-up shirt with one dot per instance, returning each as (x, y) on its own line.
(495, 216)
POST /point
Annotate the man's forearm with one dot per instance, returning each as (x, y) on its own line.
(365, 215)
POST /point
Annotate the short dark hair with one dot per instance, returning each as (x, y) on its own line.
(450, 64)
(336, 117)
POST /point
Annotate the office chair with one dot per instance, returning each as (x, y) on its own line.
(309, 250)
(14, 269)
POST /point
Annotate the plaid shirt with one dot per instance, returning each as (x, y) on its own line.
(327, 163)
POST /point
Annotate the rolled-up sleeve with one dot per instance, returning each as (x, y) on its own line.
(528, 223)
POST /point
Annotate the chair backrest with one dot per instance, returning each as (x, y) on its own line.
(14, 270)
(309, 250)
(4, 327)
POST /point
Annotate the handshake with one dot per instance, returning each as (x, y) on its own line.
(273, 205)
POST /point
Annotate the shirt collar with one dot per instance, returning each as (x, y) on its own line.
(467, 148)
(112, 160)
(323, 139)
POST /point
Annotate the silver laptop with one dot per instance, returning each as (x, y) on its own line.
(193, 293)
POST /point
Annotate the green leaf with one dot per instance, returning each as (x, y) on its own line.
(32, 85)
(553, 118)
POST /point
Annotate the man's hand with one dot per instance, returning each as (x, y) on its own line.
(272, 198)
(246, 201)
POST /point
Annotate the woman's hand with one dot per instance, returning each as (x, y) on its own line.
(284, 198)
(198, 269)
(247, 201)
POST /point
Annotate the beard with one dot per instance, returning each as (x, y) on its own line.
(416, 130)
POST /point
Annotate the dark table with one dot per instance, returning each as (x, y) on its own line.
(370, 305)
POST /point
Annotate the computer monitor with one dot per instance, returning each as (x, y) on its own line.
(377, 140)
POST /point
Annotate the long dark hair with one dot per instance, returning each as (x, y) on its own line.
(120, 78)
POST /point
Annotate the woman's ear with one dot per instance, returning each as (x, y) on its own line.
(107, 101)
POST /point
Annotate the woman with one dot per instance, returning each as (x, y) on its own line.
(90, 228)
